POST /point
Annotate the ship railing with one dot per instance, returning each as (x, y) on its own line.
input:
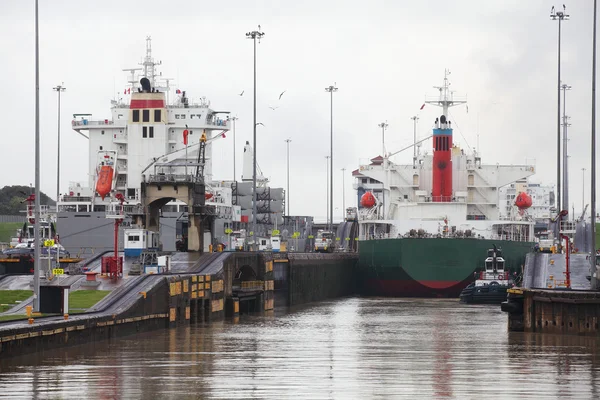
(516, 237)
(166, 178)
(217, 122)
(440, 199)
(76, 199)
(86, 122)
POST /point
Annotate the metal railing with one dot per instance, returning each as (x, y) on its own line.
(86, 122)
(166, 178)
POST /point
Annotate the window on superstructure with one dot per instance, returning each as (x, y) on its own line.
(145, 115)
(136, 116)
(156, 115)
(151, 132)
(145, 132)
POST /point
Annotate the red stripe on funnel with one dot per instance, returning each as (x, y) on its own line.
(147, 104)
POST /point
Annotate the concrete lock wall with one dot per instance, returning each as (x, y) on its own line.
(315, 277)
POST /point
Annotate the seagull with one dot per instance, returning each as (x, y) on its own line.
(260, 123)
(273, 108)
(281, 94)
(241, 94)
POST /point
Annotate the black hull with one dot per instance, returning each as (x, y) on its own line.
(484, 294)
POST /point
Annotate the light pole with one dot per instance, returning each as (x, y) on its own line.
(331, 89)
(37, 249)
(327, 191)
(560, 16)
(58, 89)
(288, 175)
(383, 127)
(594, 281)
(343, 194)
(254, 35)
(234, 175)
(566, 124)
(415, 119)
(582, 190)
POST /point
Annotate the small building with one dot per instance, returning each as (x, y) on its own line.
(138, 240)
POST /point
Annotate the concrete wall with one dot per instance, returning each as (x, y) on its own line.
(315, 277)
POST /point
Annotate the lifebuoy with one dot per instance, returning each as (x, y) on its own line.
(500, 277)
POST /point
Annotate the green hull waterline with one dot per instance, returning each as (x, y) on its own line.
(429, 266)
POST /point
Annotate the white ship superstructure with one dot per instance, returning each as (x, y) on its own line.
(448, 192)
(542, 197)
(145, 128)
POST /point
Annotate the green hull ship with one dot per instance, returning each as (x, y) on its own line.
(429, 267)
(425, 227)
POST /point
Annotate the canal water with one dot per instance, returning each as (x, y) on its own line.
(354, 348)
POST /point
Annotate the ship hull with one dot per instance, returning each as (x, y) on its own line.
(431, 267)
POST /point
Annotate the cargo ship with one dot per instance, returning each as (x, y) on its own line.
(154, 132)
(423, 227)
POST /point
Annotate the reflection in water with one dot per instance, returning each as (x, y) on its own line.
(351, 348)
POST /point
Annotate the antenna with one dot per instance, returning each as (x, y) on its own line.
(446, 96)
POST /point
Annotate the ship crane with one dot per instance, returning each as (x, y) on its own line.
(168, 158)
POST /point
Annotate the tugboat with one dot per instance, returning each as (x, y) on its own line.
(491, 284)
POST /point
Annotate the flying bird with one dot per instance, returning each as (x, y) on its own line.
(273, 108)
(241, 94)
(281, 94)
(260, 123)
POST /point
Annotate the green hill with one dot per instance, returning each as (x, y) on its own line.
(12, 199)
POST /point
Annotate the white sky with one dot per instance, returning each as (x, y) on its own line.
(385, 56)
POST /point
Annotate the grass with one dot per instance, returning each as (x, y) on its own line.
(9, 298)
(81, 300)
(8, 230)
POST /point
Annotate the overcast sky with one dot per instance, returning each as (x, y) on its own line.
(384, 56)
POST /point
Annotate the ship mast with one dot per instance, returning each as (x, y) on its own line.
(149, 63)
(446, 97)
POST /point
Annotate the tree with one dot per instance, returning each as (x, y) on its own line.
(12, 199)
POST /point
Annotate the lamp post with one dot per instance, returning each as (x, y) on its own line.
(565, 199)
(287, 192)
(234, 175)
(383, 127)
(331, 89)
(415, 119)
(560, 16)
(343, 193)
(59, 88)
(254, 35)
(37, 226)
(594, 281)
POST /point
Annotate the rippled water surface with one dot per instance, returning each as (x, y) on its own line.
(347, 349)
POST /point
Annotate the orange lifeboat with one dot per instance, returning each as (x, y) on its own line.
(104, 182)
(523, 201)
(367, 200)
